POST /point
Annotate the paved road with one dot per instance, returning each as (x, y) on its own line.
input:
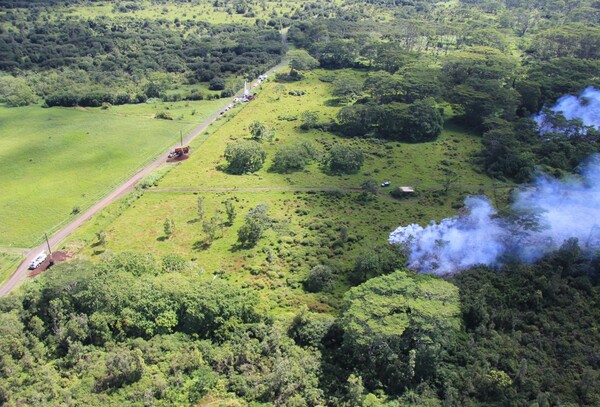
(126, 187)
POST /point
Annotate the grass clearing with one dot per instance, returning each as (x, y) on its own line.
(403, 164)
(307, 226)
(55, 162)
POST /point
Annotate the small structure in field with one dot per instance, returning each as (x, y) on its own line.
(403, 192)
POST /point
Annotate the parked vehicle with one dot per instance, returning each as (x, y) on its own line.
(179, 151)
(39, 259)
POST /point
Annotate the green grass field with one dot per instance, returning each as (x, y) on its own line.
(56, 160)
(306, 223)
(197, 11)
(205, 10)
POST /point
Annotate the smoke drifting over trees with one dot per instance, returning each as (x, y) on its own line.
(542, 218)
(585, 109)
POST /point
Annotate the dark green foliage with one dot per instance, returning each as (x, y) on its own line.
(425, 121)
(347, 87)
(345, 159)
(74, 38)
(549, 80)
(377, 261)
(336, 54)
(535, 327)
(131, 331)
(300, 60)
(123, 366)
(391, 335)
(418, 122)
(513, 150)
(295, 157)
(163, 116)
(477, 83)
(308, 329)
(244, 156)
(320, 278)
(358, 119)
(570, 40)
(217, 84)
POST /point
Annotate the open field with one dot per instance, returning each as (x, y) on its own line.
(56, 162)
(204, 11)
(403, 164)
(308, 226)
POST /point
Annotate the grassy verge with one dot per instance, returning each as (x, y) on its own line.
(8, 264)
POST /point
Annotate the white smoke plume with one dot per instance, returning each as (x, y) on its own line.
(585, 108)
(544, 216)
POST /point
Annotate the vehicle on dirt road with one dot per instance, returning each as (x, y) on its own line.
(35, 263)
(179, 152)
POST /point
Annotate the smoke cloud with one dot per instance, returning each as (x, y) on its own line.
(585, 107)
(541, 219)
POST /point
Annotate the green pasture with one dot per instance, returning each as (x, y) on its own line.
(306, 227)
(197, 11)
(307, 224)
(418, 165)
(204, 10)
(55, 161)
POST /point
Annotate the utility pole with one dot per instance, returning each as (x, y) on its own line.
(49, 250)
(181, 138)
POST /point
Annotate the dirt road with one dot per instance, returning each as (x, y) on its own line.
(124, 188)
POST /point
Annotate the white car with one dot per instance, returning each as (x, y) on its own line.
(35, 263)
(385, 183)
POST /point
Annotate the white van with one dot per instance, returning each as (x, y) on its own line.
(35, 263)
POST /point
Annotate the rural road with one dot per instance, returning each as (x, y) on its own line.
(124, 188)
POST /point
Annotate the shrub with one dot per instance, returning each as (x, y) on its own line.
(320, 278)
(293, 157)
(163, 116)
(245, 156)
(217, 84)
(345, 159)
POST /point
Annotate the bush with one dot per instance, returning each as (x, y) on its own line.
(293, 157)
(217, 84)
(345, 159)
(64, 100)
(163, 116)
(320, 278)
(245, 156)
(173, 263)
(227, 93)
(195, 95)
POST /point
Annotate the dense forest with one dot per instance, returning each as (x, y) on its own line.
(132, 329)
